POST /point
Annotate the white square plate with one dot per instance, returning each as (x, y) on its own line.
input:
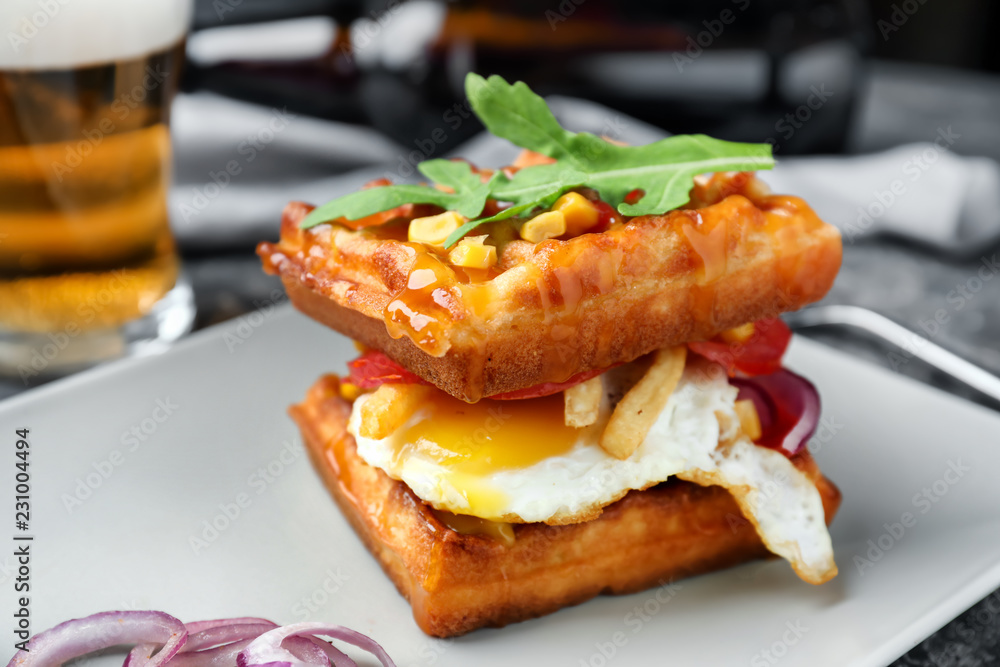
(133, 463)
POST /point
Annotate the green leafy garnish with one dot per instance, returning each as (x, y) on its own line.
(468, 198)
(663, 170)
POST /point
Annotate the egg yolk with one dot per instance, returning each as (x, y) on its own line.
(472, 441)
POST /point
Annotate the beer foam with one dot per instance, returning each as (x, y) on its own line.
(62, 34)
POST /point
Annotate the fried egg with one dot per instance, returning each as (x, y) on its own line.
(517, 461)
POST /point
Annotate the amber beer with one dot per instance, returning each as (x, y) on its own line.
(85, 162)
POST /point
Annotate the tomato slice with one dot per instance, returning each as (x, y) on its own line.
(546, 388)
(607, 215)
(374, 368)
(759, 355)
(634, 196)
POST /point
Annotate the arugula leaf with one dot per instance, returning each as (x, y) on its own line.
(515, 113)
(509, 212)
(663, 170)
(468, 198)
(538, 182)
(456, 174)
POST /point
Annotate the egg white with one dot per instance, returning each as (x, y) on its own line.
(784, 504)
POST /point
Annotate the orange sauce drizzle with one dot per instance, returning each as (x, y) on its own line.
(423, 309)
(708, 238)
(420, 309)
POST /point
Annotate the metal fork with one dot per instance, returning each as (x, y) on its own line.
(900, 336)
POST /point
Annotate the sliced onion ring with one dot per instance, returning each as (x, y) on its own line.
(225, 634)
(207, 634)
(336, 657)
(81, 636)
(217, 643)
(267, 650)
(788, 406)
(199, 626)
(220, 656)
(309, 651)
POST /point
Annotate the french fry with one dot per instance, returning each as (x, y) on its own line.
(639, 408)
(389, 407)
(583, 402)
(749, 419)
(740, 334)
(726, 431)
(350, 392)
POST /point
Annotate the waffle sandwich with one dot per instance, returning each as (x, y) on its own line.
(569, 378)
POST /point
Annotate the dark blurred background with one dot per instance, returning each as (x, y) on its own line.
(725, 67)
(729, 68)
(961, 33)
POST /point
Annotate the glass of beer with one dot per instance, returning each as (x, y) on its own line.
(88, 266)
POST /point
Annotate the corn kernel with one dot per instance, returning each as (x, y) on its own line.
(544, 226)
(749, 419)
(738, 335)
(472, 253)
(349, 392)
(500, 232)
(434, 229)
(580, 212)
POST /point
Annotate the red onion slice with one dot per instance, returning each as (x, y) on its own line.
(199, 626)
(336, 657)
(267, 651)
(139, 655)
(220, 656)
(205, 634)
(81, 636)
(225, 634)
(218, 643)
(309, 651)
(788, 406)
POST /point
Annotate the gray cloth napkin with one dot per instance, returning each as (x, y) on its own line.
(922, 192)
(238, 164)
